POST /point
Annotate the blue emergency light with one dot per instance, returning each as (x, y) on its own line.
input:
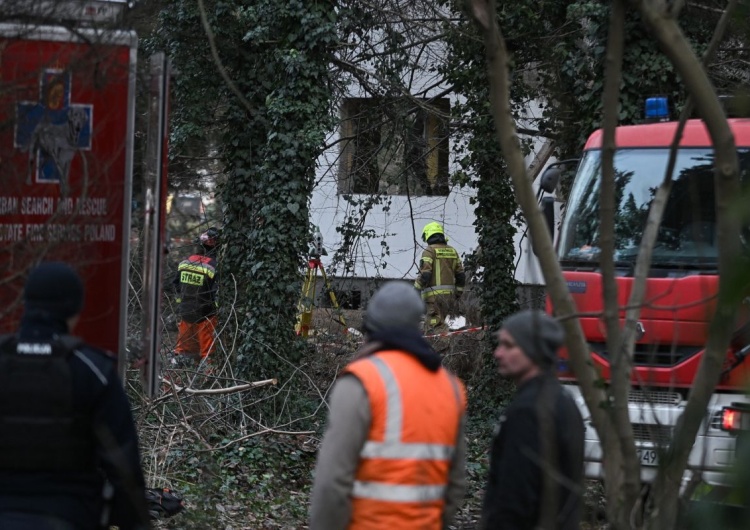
(657, 108)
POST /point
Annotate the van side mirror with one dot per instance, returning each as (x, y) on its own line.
(550, 179)
(548, 211)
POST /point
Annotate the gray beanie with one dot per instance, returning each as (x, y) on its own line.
(395, 305)
(537, 334)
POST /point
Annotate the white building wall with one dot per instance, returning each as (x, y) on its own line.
(399, 223)
(399, 220)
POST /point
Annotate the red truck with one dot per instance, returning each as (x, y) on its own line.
(67, 109)
(680, 290)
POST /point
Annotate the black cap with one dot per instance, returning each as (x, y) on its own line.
(55, 288)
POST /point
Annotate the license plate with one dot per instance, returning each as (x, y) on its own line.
(647, 456)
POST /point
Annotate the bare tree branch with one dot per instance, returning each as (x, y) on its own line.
(727, 187)
(219, 64)
(484, 14)
(622, 469)
(216, 391)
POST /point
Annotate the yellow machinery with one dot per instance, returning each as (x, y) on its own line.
(307, 301)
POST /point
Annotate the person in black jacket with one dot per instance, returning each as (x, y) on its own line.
(536, 460)
(197, 282)
(67, 437)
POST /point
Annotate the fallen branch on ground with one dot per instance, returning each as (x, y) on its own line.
(216, 391)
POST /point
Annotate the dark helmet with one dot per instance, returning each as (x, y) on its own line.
(209, 238)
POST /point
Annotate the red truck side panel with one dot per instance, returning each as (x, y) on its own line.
(66, 151)
(673, 327)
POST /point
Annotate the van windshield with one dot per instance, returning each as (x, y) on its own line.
(688, 230)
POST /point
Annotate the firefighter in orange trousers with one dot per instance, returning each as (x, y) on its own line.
(197, 282)
(393, 454)
(441, 277)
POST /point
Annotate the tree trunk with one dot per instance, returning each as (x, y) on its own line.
(727, 188)
(484, 14)
(622, 491)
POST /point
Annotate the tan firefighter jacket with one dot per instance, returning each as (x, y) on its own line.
(440, 271)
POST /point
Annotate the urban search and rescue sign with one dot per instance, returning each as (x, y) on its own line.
(66, 158)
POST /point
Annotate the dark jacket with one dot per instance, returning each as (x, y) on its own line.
(197, 281)
(76, 496)
(541, 420)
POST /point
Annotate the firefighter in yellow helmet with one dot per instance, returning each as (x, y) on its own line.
(441, 277)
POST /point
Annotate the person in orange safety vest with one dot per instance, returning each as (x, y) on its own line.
(197, 281)
(393, 454)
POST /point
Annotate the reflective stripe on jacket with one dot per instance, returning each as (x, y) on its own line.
(442, 264)
(403, 470)
(197, 281)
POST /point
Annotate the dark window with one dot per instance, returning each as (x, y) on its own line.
(188, 206)
(394, 146)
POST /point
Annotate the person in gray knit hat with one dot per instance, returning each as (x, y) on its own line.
(536, 460)
(395, 305)
(395, 388)
(538, 337)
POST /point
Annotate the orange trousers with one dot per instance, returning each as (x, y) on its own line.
(197, 339)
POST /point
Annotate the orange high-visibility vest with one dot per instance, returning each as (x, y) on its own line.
(404, 464)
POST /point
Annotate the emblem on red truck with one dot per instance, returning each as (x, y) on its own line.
(52, 130)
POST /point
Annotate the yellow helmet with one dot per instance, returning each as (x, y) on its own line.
(430, 229)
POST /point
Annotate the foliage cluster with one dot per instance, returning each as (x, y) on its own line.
(263, 483)
(269, 116)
